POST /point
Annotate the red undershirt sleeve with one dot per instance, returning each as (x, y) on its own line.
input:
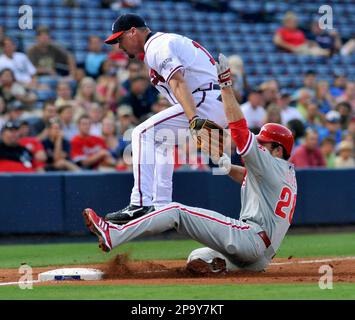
(240, 135)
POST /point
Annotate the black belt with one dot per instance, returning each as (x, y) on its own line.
(211, 87)
(263, 235)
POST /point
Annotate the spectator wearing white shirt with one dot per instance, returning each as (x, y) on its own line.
(287, 112)
(254, 111)
(18, 62)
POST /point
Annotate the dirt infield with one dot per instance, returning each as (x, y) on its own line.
(122, 271)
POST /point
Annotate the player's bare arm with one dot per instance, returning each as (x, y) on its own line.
(183, 94)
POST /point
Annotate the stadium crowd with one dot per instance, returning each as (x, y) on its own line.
(56, 114)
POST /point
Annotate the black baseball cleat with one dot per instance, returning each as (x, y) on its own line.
(128, 214)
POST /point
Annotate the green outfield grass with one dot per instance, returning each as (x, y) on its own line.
(320, 245)
(12, 256)
(179, 292)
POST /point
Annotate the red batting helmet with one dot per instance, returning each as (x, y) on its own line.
(273, 132)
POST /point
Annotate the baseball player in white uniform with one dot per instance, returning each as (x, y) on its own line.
(268, 196)
(185, 73)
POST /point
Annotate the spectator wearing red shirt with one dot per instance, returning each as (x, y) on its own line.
(87, 151)
(308, 154)
(13, 156)
(292, 39)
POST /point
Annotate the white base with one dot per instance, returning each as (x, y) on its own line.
(71, 274)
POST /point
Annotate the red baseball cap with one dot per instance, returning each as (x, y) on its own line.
(123, 23)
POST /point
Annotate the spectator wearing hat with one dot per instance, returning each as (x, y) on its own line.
(13, 156)
(327, 148)
(14, 112)
(32, 143)
(348, 95)
(11, 90)
(345, 159)
(18, 62)
(49, 58)
(87, 151)
(332, 127)
(288, 112)
(308, 154)
(95, 56)
(254, 111)
(66, 116)
(57, 148)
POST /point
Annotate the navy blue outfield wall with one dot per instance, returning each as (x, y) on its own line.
(52, 203)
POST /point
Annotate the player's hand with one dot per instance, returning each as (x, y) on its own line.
(196, 123)
(223, 71)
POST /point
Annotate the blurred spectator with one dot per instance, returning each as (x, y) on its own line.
(270, 92)
(348, 48)
(126, 119)
(85, 96)
(298, 130)
(348, 95)
(39, 127)
(254, 111)
(32, 144)
(292, 39)
(308, 154)
(108, 88)
(115, 143)
(339, 84)
(96, 114)
(14, 112)
(345, 159)
(273, 114)
(239, 78)
(303, 100)
(323, 97)
(135, 69)
(161, 104)
(64, 94)
(344, 110)
(13, 156)
(118, 57)
(57, 148)
(314, 118)
(66, 116)
(11, 90)
(327, 148)
(309, 84)
(328, 40)
(332, 127)
(140, 98)
(287, 112)
(2, 37)
(95, 57)
(90, 152)
(49, 58)
(118, 4)
(18, 62)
